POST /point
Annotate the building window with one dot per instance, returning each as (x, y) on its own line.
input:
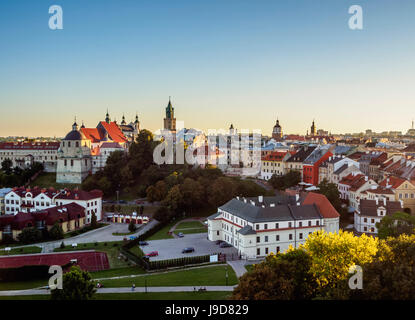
(277, 238)
(258, 251)
(266, 250)
(265, 226)
(278, 249)
(301, 235)
(266, 238)
(277, 225)
(290, 237)
(258, 239)
(300, 224)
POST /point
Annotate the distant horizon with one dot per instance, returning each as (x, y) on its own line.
(233, 62)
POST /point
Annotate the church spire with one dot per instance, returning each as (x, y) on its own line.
(107, 117)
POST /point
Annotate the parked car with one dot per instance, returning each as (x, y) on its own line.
(188, 250)
(133, 237)
(152, 254)
(225, 245)
(180, 235)
(143, 243)
(122, 201)
(139, 202)
(218, 242)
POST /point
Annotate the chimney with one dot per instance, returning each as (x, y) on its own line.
(377, 201)
(260, 199)
(384, 202)
(297, 197)
(366, 178)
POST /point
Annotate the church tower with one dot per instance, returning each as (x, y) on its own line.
(313, 129)
(277, 131)
(74, 159)
(170, 120)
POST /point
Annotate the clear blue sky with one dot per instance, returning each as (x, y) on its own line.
(222, 61)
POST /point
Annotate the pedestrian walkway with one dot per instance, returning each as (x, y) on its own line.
(238, 266)
(123, 290)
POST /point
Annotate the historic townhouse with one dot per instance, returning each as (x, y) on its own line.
(274, 163)
(370, 212)
(30, 200)
(352, 186)
(295, 162)
(312, 163)
(24, 154)
(337, 167)
(404, 190)
(258, 226)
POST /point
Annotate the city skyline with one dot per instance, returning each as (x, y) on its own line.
(222, 63)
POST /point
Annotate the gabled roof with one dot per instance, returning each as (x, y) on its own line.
(301, 154)
(369, 207)
(354, 181)
(247, 230)
(276, 156)
(392, 182)
(92, 134)
(113, 131)
(323, 204)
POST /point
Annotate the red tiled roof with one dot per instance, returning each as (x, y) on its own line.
(93, 134)
(80, 194)
(114, 131)
(354, 181)
(29, 145)
(394, 182)
(323, 204)
(276, 156)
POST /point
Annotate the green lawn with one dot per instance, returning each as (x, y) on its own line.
(189, 227)
(23, 285)
(111, 248)
(163, 233)
(209, 295)
(137, 251)
(48, 179)
(118, 272)
(189, 224)
(190, 231)
(24, 250)
(204, 276)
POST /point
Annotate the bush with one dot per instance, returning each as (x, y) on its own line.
(62, 245)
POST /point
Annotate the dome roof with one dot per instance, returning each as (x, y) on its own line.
(73, 135)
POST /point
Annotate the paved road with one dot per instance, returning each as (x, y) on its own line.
(238, 266)
(103, 234)
(122, 290)
(172, 248)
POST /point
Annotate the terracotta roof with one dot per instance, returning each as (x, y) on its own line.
(394, 182)
(276, 156)
(79, 194)
(325, 207)
(354, 181)
(114, 132)
(29, 145)
(92, 134)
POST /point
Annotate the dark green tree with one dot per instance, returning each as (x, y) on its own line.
(76, 285)
(395, 225)
(30, 235)
(56, 232)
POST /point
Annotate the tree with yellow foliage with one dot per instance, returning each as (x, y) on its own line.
(332, 255)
